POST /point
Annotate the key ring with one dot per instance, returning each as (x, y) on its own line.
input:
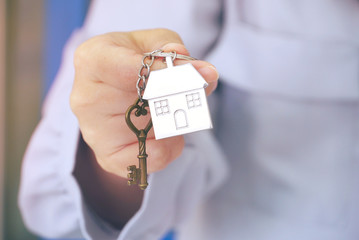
(173, 54)
(145, 69)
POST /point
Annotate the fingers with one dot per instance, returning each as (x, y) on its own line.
(116, 58)
(150, 40)
(160, 154)
(102, 60)
(110, 134)
(209, 73)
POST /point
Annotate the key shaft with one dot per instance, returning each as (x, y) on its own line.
(142, 159)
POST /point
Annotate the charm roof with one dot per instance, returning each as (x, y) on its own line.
(172, 80)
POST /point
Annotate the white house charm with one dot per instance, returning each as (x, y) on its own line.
(177, 100)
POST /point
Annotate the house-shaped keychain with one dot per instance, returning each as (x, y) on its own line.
(177, 100)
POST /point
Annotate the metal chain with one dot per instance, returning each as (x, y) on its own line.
(147, 61)
(143, 75)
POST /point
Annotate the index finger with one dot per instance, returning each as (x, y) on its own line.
(115, 58)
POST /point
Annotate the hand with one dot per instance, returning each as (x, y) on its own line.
(106, 69)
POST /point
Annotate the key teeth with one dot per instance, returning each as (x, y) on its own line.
(132, 175)
(131, 182)
(131, 168)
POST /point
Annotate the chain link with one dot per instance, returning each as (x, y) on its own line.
(147, 61)
(143, 74)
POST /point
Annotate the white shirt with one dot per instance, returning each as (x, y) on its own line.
(282, 161)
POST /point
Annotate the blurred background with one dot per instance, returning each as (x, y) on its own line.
(32, 35)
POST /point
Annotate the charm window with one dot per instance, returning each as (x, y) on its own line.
(193, 100)
(161, 107)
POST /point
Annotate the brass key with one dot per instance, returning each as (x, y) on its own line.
(139, 175)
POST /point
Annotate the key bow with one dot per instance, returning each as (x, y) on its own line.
(140, 110)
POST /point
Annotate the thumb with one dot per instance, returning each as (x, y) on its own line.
(153, 39)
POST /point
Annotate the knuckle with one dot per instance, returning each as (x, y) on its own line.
(81, 55)
(81, 97)
(88, 51)
(167, 35)
(164, 153)
(158, 158)
(74, 101)
(77, 100)
(165, 31)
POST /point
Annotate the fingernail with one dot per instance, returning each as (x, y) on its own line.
(210, 73)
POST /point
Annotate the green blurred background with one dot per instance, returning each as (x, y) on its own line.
(22, 41)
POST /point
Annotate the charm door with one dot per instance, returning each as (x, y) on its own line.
(180, 119)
